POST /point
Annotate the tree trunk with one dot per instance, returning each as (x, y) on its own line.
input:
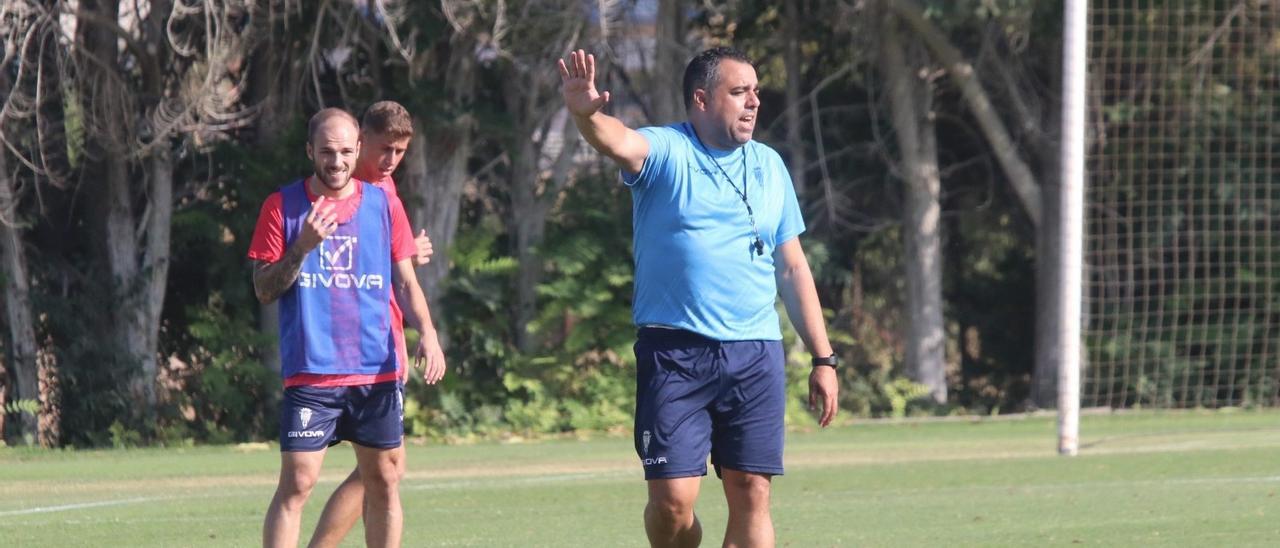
(527, 227)
(1044, 378)
(140, 265)
(109, 155)
(1019, 174)
(136, 246)
(527, 216)
(794, 110)
(155, 263)
(121, 243)
(437, 168)
(910, 101)
(540, 168)
(669, 57)
(436, 172)
(17, 299)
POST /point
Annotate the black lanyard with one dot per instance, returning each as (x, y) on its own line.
(758, 244)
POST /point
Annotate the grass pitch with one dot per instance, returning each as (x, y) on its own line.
(1172, 479)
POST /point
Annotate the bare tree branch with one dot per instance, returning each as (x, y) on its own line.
(1019, 174)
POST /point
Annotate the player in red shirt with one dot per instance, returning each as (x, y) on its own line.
(385, 131)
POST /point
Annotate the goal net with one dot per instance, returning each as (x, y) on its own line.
(1182, 221)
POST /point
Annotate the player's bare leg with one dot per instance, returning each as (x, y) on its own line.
(344, 508)
(669, 520)
(747, 494)
(298, 474)
(340, 513)
(380, 470)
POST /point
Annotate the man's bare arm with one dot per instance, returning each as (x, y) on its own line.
(607, 134)
(410, 296)
(271, 280)
(428, 354)
(800, 296)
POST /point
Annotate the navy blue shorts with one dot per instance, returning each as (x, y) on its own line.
(697, 396)
(314, 417)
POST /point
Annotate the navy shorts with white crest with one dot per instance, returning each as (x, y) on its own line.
(696, 397)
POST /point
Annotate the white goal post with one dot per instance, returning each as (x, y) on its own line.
(1070, 290)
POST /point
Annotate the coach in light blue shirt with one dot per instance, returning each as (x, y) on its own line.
(697, 267)
(716, 241)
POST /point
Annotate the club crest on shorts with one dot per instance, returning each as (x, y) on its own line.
(304, 415)
(644, 448)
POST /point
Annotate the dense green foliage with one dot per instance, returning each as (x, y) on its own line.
(216, 353)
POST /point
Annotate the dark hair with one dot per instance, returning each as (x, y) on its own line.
(704, 70)
(318, 119)
(387, 118)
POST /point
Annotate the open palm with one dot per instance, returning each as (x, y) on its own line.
(578, 84)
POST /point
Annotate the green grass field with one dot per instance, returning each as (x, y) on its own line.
(1175, 479)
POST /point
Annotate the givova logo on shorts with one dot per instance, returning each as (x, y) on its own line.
(304, 416)
(337, 259)
(644, 444)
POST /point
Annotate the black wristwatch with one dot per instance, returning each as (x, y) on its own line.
(831, 361)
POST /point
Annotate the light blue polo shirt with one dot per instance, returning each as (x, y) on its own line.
(695, 265)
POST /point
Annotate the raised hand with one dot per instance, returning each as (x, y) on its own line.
(319, 224)
(578, 85)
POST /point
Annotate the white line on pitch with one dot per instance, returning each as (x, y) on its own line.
(509, 480)
(78, 506)
(453, 484)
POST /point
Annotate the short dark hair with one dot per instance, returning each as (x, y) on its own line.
(704, 70)
(318, 119)
(387, 118)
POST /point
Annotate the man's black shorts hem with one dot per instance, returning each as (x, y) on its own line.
(378, 446)
(672, 474)
(767, 470)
